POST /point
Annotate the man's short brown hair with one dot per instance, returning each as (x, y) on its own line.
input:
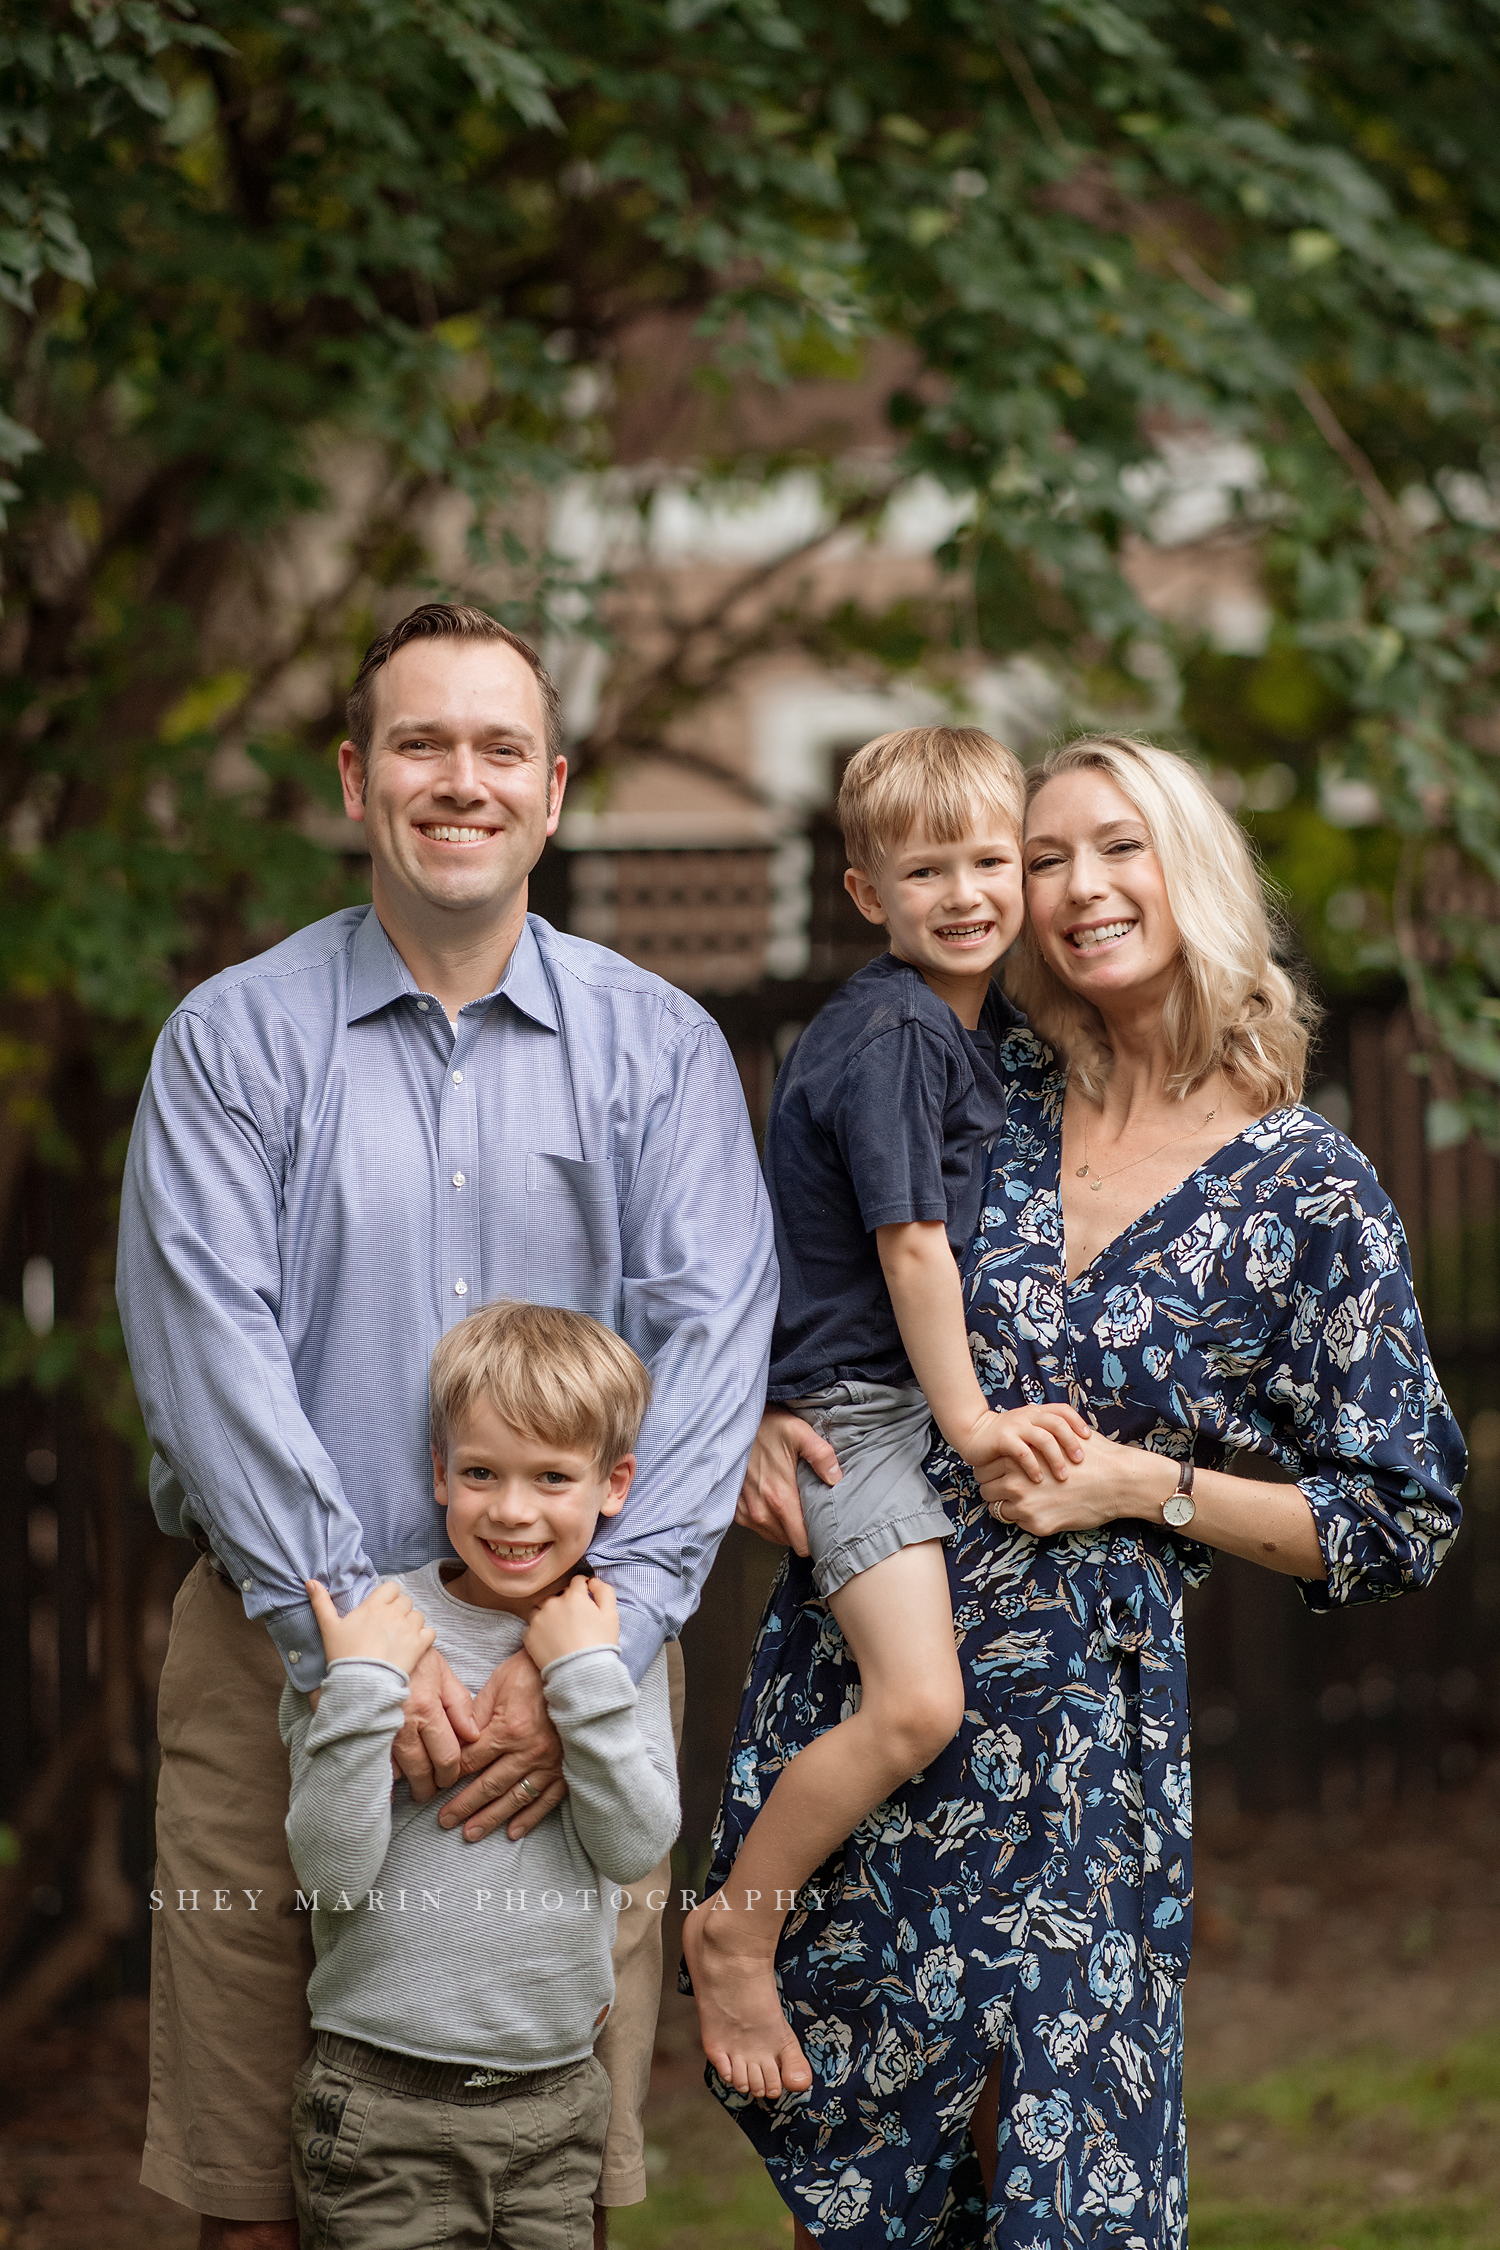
(556, 1376)
(444, 621)
(940, 777)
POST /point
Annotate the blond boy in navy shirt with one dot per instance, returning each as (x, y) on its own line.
(875, 1163)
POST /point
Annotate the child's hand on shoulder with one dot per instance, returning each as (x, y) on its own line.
(385, 1627)
(583, 1615)
(1041, 1440)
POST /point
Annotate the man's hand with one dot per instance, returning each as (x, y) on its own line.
(584, 1615)
(1038, 1440)
(514, 1743)
(439, 1721)
(769, 1502)
(385, 1628)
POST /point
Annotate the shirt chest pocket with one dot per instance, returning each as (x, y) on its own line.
(573, 1235)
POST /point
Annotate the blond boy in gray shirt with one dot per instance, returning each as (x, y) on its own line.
(453, 2095)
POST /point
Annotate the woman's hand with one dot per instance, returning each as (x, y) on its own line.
(769, 1503)
(1269, 1524)
(1110, 1480)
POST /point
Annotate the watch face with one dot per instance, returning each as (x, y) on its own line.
(1180, 1509)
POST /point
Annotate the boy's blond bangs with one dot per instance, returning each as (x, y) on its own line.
(555, 1376)
(947, 779)
(1233, 1007)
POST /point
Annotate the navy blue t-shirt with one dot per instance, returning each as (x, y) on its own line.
(880, 1115)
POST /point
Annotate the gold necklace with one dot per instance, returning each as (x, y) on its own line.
(1097, 1183)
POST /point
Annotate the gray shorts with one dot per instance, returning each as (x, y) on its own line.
(881, 1434)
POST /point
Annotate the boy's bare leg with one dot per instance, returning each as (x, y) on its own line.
(898, 1621)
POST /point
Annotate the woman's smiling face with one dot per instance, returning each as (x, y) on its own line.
(1096, 894)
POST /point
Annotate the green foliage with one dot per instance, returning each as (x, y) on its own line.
(899, 639)
(262, 263)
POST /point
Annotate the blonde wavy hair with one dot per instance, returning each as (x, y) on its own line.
(554, 1375)
(1233, 1008)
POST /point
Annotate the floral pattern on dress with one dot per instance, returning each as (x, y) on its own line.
(1030, 1896)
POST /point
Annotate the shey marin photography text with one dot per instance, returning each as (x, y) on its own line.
(447, 1899)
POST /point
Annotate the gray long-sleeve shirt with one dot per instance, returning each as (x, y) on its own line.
(495, 1953)
(326, 1174)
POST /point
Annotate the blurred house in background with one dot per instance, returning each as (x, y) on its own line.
(766, 625)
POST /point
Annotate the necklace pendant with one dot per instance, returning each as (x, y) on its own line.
(1082, 1172)
(1095, 1186)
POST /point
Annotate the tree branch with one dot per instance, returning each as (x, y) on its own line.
(671, 676)
(1031, 93)
(1329, 427)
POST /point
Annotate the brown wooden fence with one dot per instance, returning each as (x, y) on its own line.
(86, 1583)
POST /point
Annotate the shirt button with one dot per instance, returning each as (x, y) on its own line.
(294, 1656)
(423, 1006)
(244, 1585)
(458, 1179)
(460, 1289)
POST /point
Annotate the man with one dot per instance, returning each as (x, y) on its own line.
(345, 1145)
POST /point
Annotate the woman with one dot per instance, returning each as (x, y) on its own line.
(988, 1980)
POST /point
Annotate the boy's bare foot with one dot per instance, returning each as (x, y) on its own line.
(744, 2032)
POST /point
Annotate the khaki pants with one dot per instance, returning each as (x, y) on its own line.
(394, 2154)
(230, 1955)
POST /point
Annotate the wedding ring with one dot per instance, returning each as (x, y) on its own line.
(525, 1789)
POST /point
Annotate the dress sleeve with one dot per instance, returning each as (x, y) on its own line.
(1346, 1395)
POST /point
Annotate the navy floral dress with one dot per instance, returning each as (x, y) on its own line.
(1031, 1894)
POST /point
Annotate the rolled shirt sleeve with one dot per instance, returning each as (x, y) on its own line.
(199, 1285)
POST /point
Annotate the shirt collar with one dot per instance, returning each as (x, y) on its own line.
(526, 984)
(378, 975)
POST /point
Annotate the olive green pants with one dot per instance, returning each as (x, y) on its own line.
(391, 2153)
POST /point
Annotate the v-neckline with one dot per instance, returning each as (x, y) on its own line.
(1113, 1246)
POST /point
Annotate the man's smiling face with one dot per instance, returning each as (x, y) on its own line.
(458, 794)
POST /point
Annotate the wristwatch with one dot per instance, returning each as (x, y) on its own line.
(1182, 1507)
